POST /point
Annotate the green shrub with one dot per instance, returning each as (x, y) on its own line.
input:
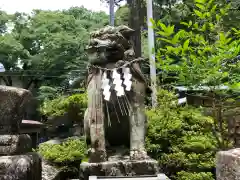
(65, 153)
(181, 139)
(195, 176)
(74, 105)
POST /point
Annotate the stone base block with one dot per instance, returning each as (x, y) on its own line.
(145, 177)
(228, 165)
(21, 167)
(15, 144)
(118, 168)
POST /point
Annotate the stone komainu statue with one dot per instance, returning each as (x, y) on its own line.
(121, 120)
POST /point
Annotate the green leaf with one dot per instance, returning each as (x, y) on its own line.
(170, 48)
(222, 37)
(170, 30)
(235, 86)
(235, 30)
(204, 27)
(207, 14)
(209, 3)
(163, 26)
(185, 44)
(162, 33)
(175, 38)
(190, 23)
(222, 11)
(198, 13)
(213, 10)
(153, 23)
(184, 23)
(211, 26)
(218, 17)
(165, 40)
(200, 1)
(195, 25)
(200, 6)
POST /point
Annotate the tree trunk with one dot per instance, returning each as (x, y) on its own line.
(135, 23)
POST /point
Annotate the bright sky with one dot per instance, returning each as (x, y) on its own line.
(11, 6)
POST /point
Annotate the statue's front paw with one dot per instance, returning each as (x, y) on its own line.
(138, 155)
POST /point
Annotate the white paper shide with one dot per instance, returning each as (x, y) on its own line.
(117, 82)
(127, 78)
(106, 87)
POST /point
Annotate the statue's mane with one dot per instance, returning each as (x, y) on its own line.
(119, 36)
(119, 30)
(110, 44)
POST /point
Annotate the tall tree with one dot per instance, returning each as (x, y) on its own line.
(4, 18)
(48, 47)
(122, 15)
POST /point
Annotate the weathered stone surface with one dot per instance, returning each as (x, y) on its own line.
(15, 144)
(13, 102)
(50, 172)
(20, 167)
(228, 165)
(118, 168)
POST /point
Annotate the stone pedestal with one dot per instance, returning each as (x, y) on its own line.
(146, 177)
(228, 165)
(118, 168)
(21, 167)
